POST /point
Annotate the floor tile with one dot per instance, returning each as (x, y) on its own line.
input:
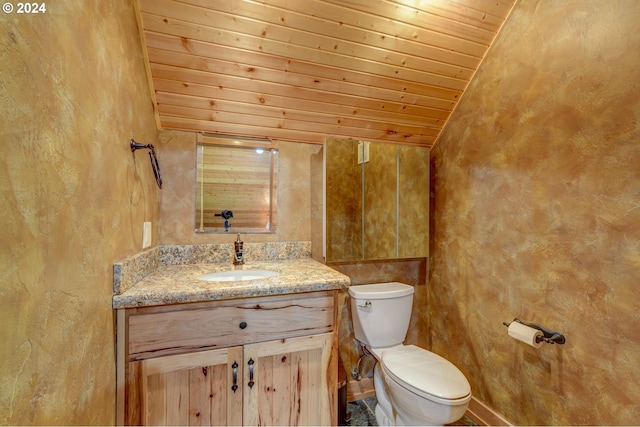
(362, 413)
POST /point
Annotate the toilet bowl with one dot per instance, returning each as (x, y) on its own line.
(413, 386)
(424, 387)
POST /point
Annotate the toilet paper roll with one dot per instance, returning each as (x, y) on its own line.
(525, 334)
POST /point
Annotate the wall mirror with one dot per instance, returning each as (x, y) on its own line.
(376, 201)
(236, 185)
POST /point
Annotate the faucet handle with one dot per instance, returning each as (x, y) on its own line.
(367, 304)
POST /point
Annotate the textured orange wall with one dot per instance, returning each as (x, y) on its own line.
(72, 202)
(536, 214)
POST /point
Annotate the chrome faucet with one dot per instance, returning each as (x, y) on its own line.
(238, 256)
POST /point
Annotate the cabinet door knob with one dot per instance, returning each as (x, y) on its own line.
(243, 325)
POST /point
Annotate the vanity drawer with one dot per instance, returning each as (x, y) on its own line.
(180, 328)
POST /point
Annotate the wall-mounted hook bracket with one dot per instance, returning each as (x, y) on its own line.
(152, 155)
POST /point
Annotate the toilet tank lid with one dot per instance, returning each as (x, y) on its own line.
(380, 290)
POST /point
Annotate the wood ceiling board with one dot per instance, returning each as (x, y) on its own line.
(384, 70)
(220, 100)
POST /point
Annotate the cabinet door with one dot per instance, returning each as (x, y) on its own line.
(294, 381)
(193, 388)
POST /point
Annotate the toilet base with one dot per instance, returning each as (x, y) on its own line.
(412, 411)
(430, 413)
(382, 418)
(384, 411)
(385, 415)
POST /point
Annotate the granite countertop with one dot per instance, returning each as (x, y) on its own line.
(172, 284)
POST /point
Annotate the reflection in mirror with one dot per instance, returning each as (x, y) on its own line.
(343, 201)
(376, 201)
(236, 189)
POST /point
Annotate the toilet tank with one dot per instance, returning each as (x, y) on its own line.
(381, 313)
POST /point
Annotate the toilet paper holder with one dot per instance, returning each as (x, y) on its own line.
(549, 336)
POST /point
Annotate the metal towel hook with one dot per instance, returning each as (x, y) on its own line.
(152, 155)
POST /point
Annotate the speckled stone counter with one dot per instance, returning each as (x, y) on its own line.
(173, 280)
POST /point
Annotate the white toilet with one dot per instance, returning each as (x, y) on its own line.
(413, 386)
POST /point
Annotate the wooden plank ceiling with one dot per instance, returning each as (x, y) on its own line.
(303, 70)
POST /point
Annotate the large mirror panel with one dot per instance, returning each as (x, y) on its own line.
(376, 201)
(380, 190)
(236, 189)
(413, 201)
(343, 201)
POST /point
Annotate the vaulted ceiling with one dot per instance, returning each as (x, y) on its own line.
(304, 70)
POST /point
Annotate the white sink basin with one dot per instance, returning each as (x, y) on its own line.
(238, 275)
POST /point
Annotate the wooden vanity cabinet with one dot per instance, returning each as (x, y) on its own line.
(253, 361)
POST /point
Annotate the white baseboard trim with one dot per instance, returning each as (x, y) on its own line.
(484, 415)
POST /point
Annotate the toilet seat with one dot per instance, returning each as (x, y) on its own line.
(426, 374)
